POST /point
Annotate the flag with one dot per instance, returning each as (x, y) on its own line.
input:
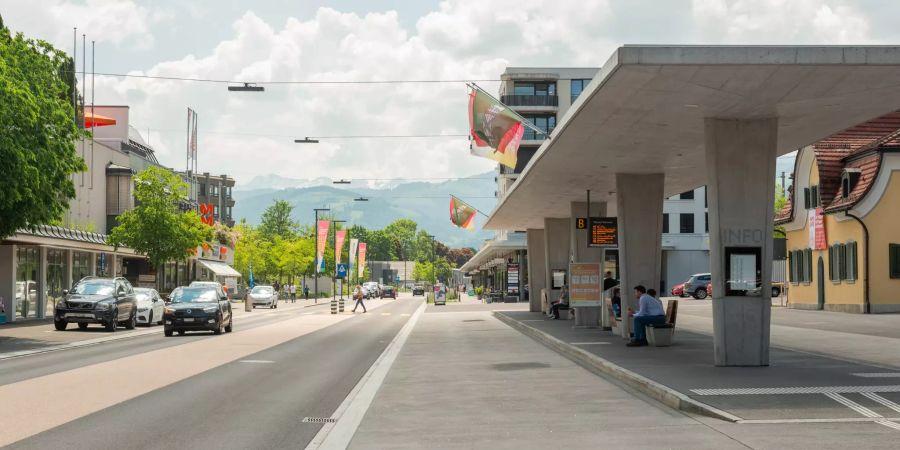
(462, 214)
(496, 130)
(322, 233)
(362, 259)
(339, 237)
(352, 257)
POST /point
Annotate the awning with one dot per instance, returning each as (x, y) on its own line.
(494, 250)
(97, 120)
(219, 268)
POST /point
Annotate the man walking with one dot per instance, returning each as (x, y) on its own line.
(649, 312)
(293, 293)
(306, 292)
(358, 295)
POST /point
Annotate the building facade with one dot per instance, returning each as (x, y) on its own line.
(216, 190)
(841, 221)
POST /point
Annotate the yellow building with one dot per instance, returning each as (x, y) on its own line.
(843, 221)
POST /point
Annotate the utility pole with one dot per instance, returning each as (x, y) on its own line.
(316, 272)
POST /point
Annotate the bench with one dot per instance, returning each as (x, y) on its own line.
(660, 335)
(614, 322)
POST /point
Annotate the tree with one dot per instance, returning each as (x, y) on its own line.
(156, 227)
(780, 202)
(425, 246)
(403, 233)
(459, 256)
(37, 134)
(380, 246)
(442, 270)
(423, 271)
(276, 221)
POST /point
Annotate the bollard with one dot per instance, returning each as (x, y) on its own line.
(340, 305)
(334, 307)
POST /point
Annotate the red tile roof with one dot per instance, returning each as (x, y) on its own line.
(868, 166)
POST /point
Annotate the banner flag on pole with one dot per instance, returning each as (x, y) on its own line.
(496, 129)
(339, 237)
(362, 259)
(322, 231)
(352, 257)
(462, 214)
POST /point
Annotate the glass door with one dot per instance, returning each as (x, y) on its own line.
(57, 268)
(27, 262)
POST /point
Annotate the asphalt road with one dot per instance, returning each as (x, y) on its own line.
(257, 402)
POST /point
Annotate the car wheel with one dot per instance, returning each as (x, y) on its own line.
(181, 332)
(168, 332)
(230, 325)
(218, 327)
(150, 319)
(113, 322)
(700, 294)
(776, 291)
(60, 325)
(132, 321)
(82, 326)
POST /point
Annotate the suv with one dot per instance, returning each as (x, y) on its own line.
(198, 308)
(107, 301)
(695, 286)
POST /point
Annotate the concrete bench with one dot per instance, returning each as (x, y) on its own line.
(660, 335)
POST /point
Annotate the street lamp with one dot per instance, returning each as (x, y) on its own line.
(316, 272)
(306, 140)
(247, 87)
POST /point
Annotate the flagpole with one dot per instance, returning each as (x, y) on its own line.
(470, 205)
(525, 121)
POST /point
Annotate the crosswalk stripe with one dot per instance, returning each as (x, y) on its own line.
(852, 405)
(879, 399)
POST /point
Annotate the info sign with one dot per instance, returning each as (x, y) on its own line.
(585, 284)
(512, 279)
(603, 232)
(816, 225)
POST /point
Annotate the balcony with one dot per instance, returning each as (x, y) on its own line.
(530, 100)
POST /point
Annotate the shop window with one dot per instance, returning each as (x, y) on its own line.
(27, 290)
(894, 256)
(57, 270)
(81, 266)
(665, 223)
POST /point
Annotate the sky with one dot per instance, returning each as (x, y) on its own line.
(250, 134)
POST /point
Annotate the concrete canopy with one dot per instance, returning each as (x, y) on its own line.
(644, 113)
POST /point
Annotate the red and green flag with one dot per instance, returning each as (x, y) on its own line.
(495, 128)
(462, 214)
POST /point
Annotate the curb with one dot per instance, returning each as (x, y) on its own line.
(594, 363)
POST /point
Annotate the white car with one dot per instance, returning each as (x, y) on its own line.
(150, 306)
(264, 296)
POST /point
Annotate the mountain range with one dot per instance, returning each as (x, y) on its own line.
(426, 203)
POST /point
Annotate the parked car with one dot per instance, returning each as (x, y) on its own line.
(695, 286)
(389, 292)
(418, 290)
(150, 306)
(199, 308)
(370, 288)
(106, 301)
(678, 290)
(264, 296)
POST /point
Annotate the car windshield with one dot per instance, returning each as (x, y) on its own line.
(196, 295)
(94, 287)
(265, 290)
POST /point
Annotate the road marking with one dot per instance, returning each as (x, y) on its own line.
(385, 314)
(879, 399)
(853, 405)
(589, 343)
(351, 411)
(829, 420)
(797, 390)
(889, 424)
(877, 375)
(256, 361)
(404, 315)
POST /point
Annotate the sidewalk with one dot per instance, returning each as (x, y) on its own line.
(796, 387)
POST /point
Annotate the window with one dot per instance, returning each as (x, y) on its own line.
(807, 266)
(851, 261)
(705, 197)
(202, 188)
(842, 261)
(706, 222)
(811, 197)
(578, 87)
(688, 195)
(894, 257)
(687, 223)
(216, 211)
(535, 88)
(832, 274)
(213, 190)
(665, 223)
(792, 267)
(800, 262)
(545, 123)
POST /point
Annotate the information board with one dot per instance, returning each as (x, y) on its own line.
(512, 279)
(585, 287)
(603, 232)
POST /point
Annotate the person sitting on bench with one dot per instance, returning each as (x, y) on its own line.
(649, 312)
(616, 303)
(563, 303)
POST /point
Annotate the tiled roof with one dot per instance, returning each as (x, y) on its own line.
(52, 231)
(868, 166)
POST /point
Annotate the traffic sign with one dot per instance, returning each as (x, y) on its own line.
(342, 270)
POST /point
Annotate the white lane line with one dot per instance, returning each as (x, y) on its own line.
(798, 390)
(385, 314)
(877, 375)
(829, 420)
(257, 361)
(351, 411)
(589, 343)
(853, 405)
(889, 424)
(404, 315)
(883, 401)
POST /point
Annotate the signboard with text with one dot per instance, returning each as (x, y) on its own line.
(816, 225)
(585, 284)
(512, 279)
(603, 232)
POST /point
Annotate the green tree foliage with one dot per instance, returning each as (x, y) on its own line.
(459, 256)
(156, 227)
(423, 271)
(37, 134)
(425, 246)
(442, 270)
(402, 233)
(780, 203)
(276, 221)
(380, 246)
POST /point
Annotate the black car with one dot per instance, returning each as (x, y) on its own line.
(106, 301)
(388, 292)
(200, 308)
(418, 290)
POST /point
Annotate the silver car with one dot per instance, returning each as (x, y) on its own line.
(264, 296)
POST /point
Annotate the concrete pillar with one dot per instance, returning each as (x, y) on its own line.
(740, 163)
(588, 317)
(556, 251)
(639, 204)
(537, 267)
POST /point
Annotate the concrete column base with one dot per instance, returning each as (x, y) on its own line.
(587, 317)
(736, 330)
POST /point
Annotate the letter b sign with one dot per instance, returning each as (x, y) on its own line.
(581, 223)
